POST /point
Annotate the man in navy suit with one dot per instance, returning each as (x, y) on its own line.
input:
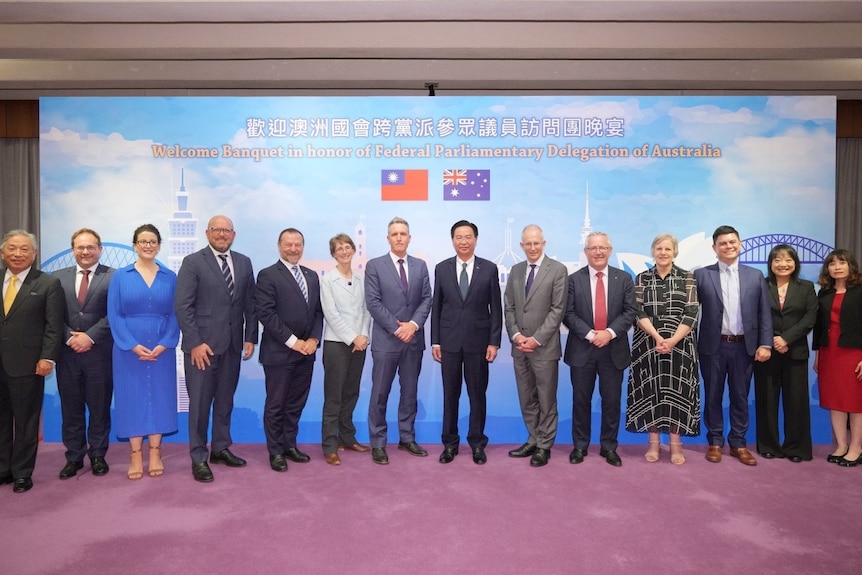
(215, 309)
(735, 327)
(466, 328)
(287, 301)
(84, 370)
(600, 311)
(398, 296)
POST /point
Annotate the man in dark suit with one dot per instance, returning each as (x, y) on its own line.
(31, 329)
(466, 327)
(215, 309)
(735, 327)
(84, 370)
(398, 296)
(287, 302)
(600, 311)
(535, 301)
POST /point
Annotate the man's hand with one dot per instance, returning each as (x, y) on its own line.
(200, 355)
(405, 332)
(602, 338)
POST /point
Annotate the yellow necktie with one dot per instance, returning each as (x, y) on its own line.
(11, 292)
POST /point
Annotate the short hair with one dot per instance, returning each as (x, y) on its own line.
(774, 253)
(462, 224)
(662, 237)
(291, 231)
(854, 278)
(397, 220)
(339, 239)
(24, 233)
(532, 227)
(146, 228)
(593, 234)
(723, 230)
(86, 231)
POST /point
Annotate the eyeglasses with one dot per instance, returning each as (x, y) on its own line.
(82, 249)
(595, 249)
(532, 245)
(224, 231)
(344, 249)
(147, 243)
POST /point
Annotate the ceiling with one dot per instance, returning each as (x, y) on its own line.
(362, 47)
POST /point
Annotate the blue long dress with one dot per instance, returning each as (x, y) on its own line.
(145, 392)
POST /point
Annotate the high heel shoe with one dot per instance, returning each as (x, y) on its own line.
(156, 471)
(135, 475)
(837, 458)
(850, 462)
(676, 458)
(650, 455)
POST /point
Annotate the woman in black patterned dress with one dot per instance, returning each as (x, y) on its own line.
(664, 389)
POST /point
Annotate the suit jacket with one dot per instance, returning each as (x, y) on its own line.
(796, 318)
(388, 304)
(850, 319)
(92, 317)
(470, 324)
(284, 312)
(344, 308)
(540, 313)
(33, 328)
(205, 309)
(753, 301)
(622, 313)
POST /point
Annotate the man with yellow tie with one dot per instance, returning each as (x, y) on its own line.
(31, 328)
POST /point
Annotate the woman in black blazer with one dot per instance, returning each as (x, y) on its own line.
(785, 375)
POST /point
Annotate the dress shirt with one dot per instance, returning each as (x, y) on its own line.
(731, 317)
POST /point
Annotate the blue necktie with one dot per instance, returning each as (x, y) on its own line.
(530, 280)
(464, 281)
(297, 273)
(225, 271)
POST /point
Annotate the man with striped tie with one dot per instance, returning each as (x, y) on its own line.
(215, 309)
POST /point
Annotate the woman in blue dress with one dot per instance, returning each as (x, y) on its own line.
(145, 330)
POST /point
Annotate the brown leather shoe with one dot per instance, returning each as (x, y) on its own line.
(743, 455)
(333, 459)
(355, 447)
(713, 454)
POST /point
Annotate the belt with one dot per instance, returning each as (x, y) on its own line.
(733, 338)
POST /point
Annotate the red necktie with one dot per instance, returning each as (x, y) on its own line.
(85, 284)
(601, 311)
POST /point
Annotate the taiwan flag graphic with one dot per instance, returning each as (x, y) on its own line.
(467, 185)
(399, 185)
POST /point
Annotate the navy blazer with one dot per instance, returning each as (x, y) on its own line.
(753, 301)
(284, 312)
(92, 317)
(205, 309)
(388, 304)
(850, 319)
(470, 324)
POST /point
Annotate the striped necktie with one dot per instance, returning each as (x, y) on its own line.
(297, 273)
(225, 271)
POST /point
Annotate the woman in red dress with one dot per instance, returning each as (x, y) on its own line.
(838, 363)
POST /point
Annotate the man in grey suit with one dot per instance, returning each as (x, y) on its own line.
(735, 328)
(215, 309)
(600, 311)
(84, 370)
(398, 296)
(534, 303)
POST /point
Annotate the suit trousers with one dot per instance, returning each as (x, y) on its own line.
(731, 363)
(287, 389)
(785, 379)
(85, 382)
(407, 364)
(20, 408)
(213, 387)
(342, 373)
(583, 379)
(537, 393)
(474, 369)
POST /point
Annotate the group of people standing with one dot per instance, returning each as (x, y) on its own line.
(114, 333)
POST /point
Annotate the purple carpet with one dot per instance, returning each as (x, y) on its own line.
(416, 516)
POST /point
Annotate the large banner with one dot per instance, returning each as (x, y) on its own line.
(629, 166)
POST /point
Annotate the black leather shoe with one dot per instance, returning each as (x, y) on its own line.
(277, 463)
(378, 455)
(71, 469)
(479, 457)
(6, 479)
(296, 455)
(540, 457)
(228, 458)
(22, 485)
(836, 458)
(843, 463)
(577, 455)
(99, 466)
(202, 472)
(768, 455)
(448, 455)
(794, 458)
(611, 457)
(412, 448)
(525, 450)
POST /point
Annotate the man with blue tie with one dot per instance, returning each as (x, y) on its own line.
(398, 296)
(735, 327)
(466, 328)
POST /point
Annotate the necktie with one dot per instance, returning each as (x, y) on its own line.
(530, 280)
(11, 292)
(85, 285)
(601, 311)
(463, 281)
(403, 274)
(297, 273)
(225, 271)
